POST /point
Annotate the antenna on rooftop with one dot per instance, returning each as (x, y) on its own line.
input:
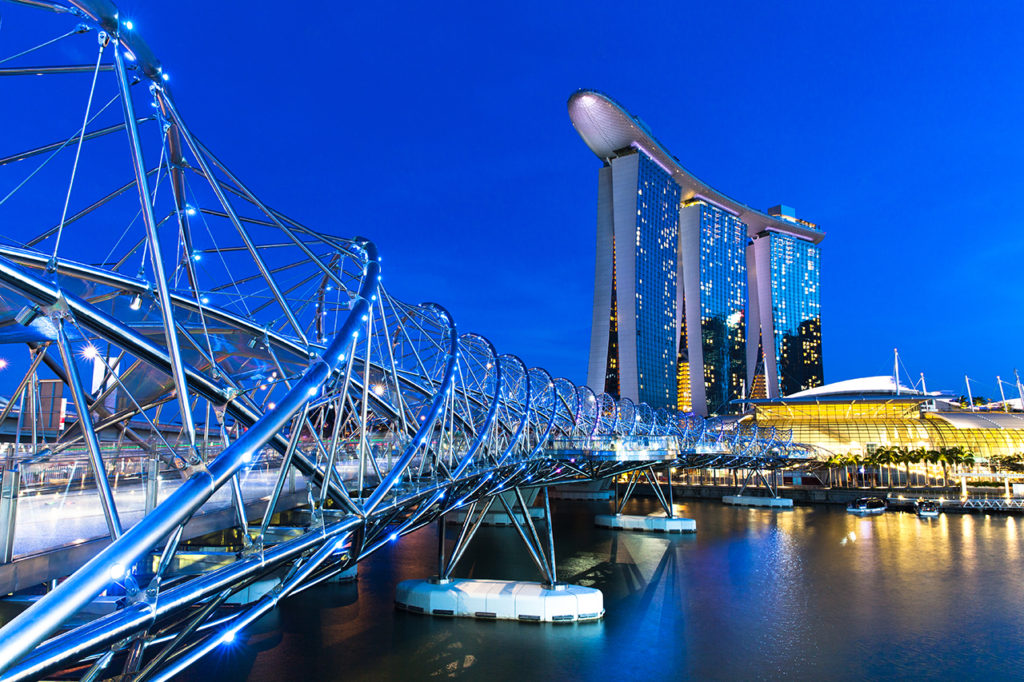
(1020, 392)
(896, 368)
(924, 389)
(970, 398)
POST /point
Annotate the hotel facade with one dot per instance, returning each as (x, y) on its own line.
(699, 300)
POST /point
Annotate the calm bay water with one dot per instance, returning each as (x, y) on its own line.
(805, 594)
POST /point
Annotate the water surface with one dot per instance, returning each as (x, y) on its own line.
(805, 594)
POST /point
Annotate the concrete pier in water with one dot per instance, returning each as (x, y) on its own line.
(652, 524)
(500, 600)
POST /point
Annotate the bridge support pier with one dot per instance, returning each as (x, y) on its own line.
(669, 523)
(547, 601)
(772, 500)
(498, 517)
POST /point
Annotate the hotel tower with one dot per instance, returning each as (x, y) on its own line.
(699, 300)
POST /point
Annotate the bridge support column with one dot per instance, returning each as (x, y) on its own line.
(667, 523)
(772, 500)
(152, 483)
(549, 601)
(497, 516)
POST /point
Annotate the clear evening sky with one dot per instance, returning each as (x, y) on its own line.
(439, 130)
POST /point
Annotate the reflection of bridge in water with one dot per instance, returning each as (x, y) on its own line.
(220, 362)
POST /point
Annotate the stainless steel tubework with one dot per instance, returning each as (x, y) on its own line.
(270, 348)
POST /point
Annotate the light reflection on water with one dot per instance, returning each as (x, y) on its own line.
(755, 594)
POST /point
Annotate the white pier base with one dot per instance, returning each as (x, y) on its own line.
(500, 600)
(753, 501)
(654, 524)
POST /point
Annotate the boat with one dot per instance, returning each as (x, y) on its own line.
(866, 505)
(927, 509)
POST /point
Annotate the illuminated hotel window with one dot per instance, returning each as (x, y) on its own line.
(796, 312)
(723, 298)
(657, 235)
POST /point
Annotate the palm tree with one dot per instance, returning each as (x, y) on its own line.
(999, 463)
(1015, 462)
(931, 458)
(944, 458)
(833, 462)
(967, 459)
(894, 457)
(882, 457)
(852, 460)
(871, 460)
(915, 456)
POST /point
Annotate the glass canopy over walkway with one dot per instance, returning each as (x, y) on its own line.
(187, 358)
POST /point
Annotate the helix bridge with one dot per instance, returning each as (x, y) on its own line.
(227, 368)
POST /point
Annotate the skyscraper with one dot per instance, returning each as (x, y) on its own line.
(673, 324)
(785, 305)
(714, 269)
(635, 341)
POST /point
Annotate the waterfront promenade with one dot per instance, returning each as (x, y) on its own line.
(950, 499)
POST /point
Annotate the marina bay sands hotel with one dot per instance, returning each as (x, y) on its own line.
(699, 300)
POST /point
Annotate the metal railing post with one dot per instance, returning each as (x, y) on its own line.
(8, 513)
(152, 483)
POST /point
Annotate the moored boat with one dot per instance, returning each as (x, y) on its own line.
(866, 505)
(927, 509)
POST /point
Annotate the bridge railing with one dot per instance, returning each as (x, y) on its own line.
(51, 503)
(615, 442)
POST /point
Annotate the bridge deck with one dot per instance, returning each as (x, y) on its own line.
(631, 449)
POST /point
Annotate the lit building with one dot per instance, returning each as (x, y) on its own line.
(714, 271)
(785, 307)
(673, 325)
(634, 347)
(859, 416)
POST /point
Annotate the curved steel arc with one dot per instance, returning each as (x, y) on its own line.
(46, 294)
(554, 413)
(428, 423)
(518, 433)
(492, 410)
(439, 420)
(32, 626)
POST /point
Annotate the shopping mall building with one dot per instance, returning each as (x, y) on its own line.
(861, 415)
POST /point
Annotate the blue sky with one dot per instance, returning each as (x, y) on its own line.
(440, 131)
